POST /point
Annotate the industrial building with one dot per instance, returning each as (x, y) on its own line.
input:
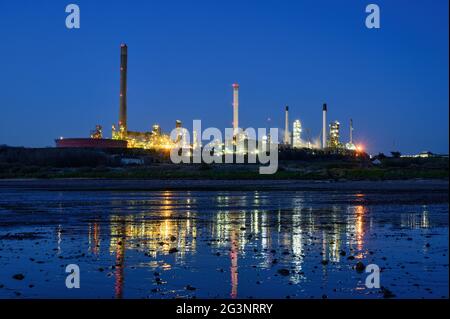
(297, 134)
(90, 143)
(350, 145)
(333, 140)
(155, 139)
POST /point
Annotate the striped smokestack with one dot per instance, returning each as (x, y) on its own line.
(287, 139)
(324, 125)
(235, 109)
(123, 87)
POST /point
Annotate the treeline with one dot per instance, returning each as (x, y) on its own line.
(304, 154)
(53, 157)
(73, 157)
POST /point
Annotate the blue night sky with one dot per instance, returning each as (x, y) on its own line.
(184, 56)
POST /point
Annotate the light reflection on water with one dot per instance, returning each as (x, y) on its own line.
(253, 233)
(237, 228)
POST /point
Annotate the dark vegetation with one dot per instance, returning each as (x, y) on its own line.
(317, 165)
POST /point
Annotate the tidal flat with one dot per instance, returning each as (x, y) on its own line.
(223, 239)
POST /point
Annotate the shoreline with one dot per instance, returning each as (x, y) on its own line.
(92, 184)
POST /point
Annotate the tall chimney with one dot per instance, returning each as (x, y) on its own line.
(235, 109)
(286, 127)
(351, 131)
(324, 125)
(123, 87)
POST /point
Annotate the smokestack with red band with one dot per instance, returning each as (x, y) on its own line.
(324, 125)
(286, 127)
(235, 108)
(123, 87)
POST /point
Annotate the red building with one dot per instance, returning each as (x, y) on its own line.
(90, 143)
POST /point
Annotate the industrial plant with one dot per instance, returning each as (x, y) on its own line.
(156, 139)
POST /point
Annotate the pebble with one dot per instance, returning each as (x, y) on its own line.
(18, 276)
(284, 272)
(360, 267)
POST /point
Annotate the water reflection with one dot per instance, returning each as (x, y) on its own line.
(414, 220)
(248, 225)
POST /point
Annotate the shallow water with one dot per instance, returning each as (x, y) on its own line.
(167, 244)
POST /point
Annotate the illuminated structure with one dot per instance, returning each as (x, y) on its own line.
(350, 145)
(147, 140)
(196, 143)
(155, 139)
(181, 134)
(333, 141)
(287, 137)
(97, 133)
(296, 134)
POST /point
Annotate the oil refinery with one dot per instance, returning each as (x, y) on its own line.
(156, 139)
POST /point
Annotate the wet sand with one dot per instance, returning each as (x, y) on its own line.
(184, 184)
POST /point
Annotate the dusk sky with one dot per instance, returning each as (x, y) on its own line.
(183, 57)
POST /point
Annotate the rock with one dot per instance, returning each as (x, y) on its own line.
(387, 293)
(18, 276)
(360, 267)
(173, 250)
(283, 272)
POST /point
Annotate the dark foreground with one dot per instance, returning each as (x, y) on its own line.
(223, 239)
